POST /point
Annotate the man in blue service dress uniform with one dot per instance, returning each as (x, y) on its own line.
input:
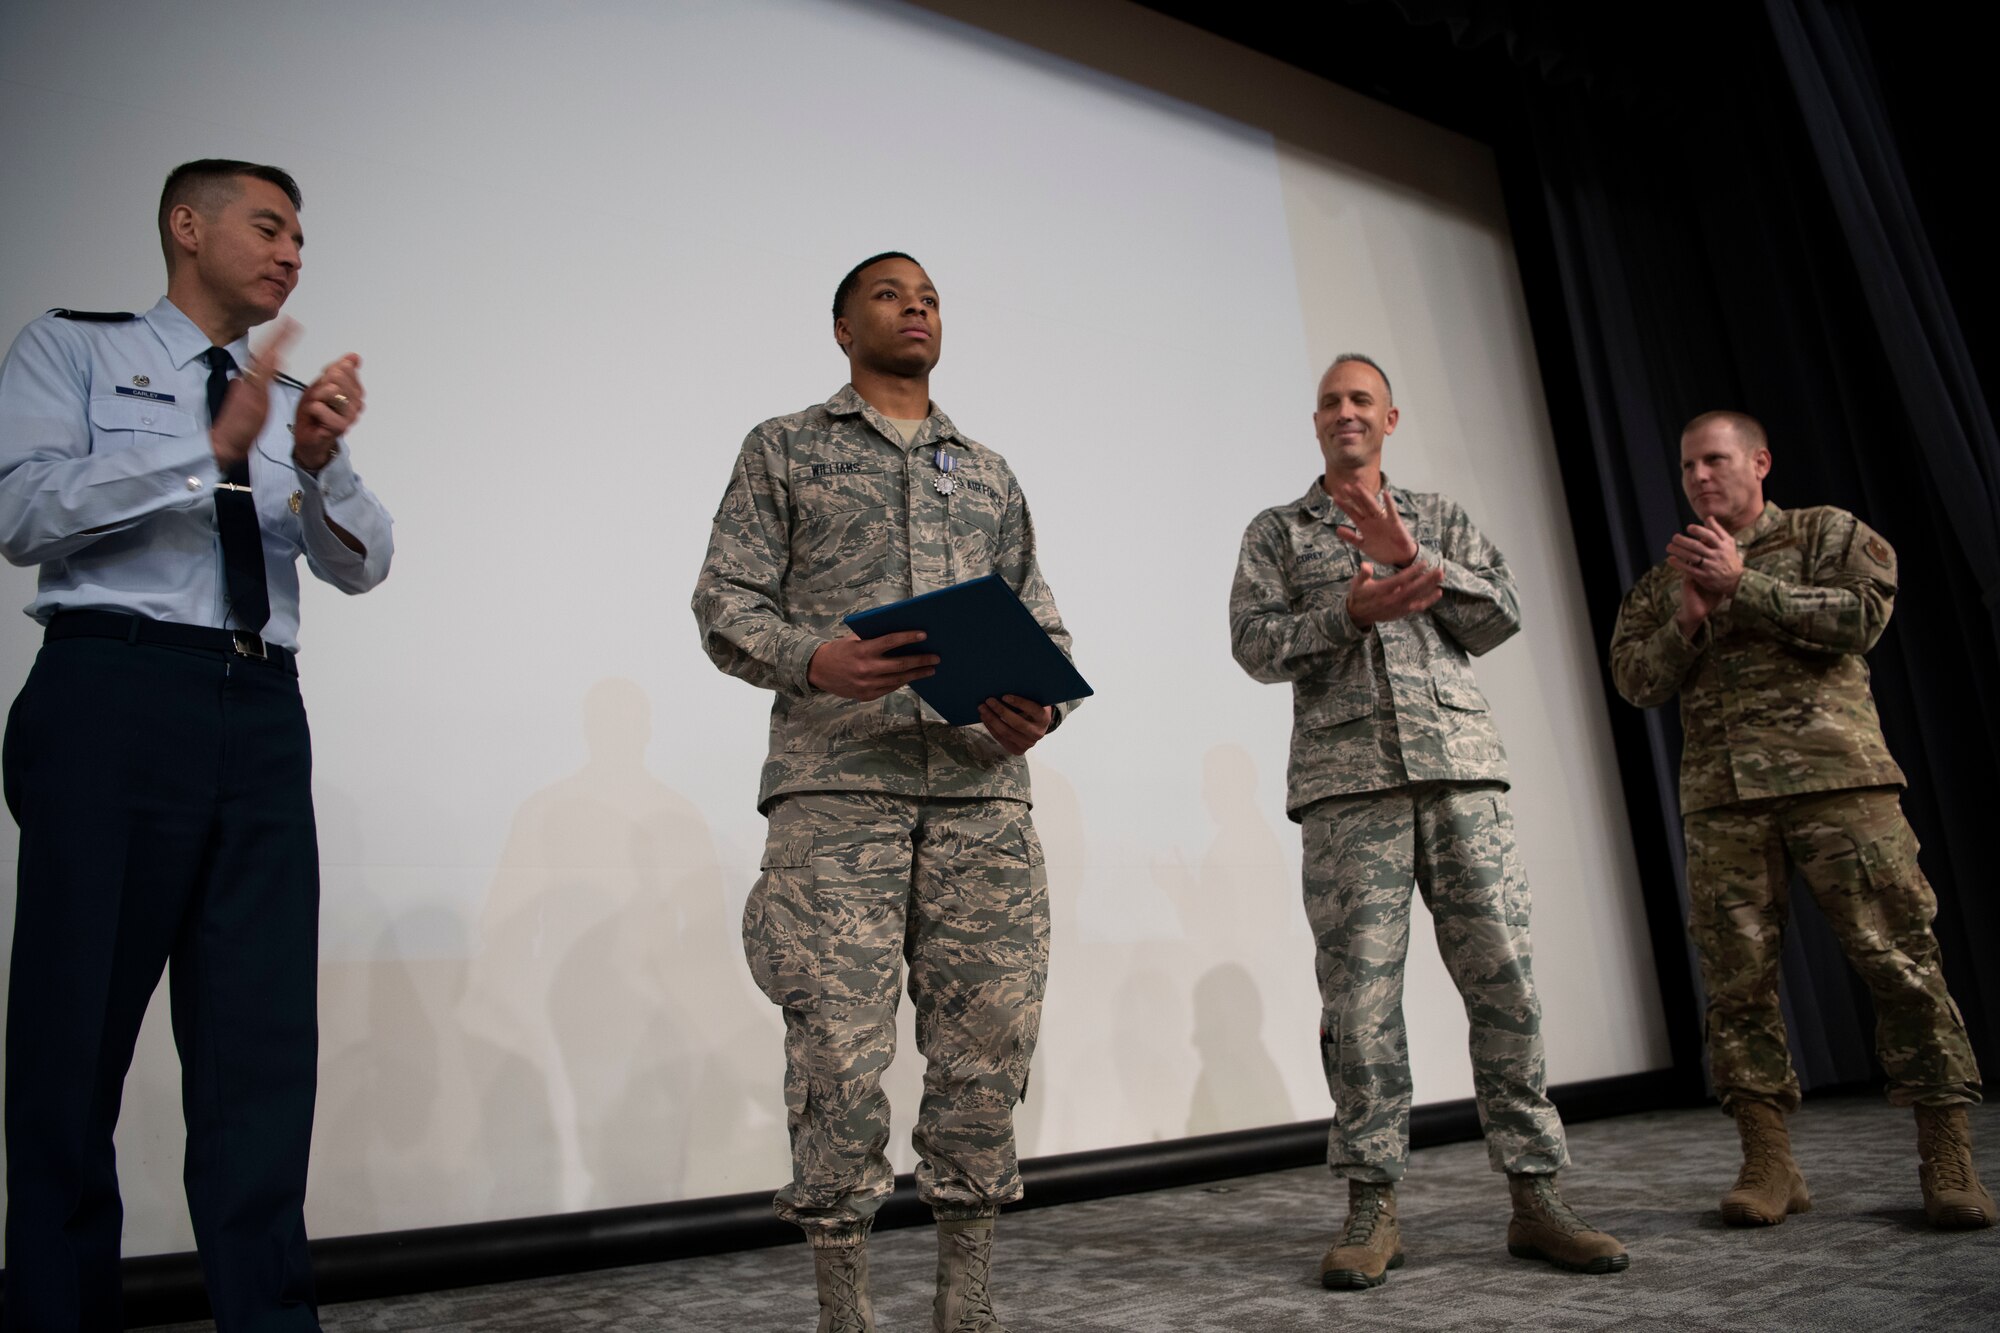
(166, 480)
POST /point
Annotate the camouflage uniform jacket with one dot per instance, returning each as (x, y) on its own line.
(1774, 691)
(829, 513)
(1394, 704)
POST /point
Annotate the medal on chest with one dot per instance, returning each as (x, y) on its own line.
(944, 483)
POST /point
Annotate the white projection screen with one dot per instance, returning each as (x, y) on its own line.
(582, 249)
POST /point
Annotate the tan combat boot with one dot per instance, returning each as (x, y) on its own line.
(1954, 1199)
(1370, 1244)
(1770, 1186)
(1544, 1227)
(841, 1272)
(965, 1261)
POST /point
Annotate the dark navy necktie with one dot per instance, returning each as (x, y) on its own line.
(236, 518)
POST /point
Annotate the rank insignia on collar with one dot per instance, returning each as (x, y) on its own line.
(298, 498)
(142, 381)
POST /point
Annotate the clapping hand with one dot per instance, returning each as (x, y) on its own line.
(246, 405)
(328, 410)
(1707, 554)
(1372, 600)
(1710, 566)
(1374, 525)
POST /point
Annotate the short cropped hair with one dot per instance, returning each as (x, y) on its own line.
(1368, 361)
(1748, 429)
(853, 278)
(207, 183)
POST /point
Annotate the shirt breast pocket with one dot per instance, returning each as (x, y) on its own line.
(1321, 580)
(841, 535)
(975, 520)
(120, 423)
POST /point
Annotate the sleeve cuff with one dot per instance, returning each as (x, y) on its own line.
(335, 482)
(324, 545)
(1459, 578)
(189, 470)
(796, 662)
(1339, 627)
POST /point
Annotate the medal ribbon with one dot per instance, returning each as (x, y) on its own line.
(943, 483)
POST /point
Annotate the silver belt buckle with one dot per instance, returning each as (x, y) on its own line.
(247, 644)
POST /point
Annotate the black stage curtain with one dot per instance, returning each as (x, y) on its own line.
(1710, 209)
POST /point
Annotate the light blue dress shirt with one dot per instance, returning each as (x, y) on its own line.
(107, 479)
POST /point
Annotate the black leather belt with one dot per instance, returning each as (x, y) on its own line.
(141, 629)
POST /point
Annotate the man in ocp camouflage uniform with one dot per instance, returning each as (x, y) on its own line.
(893, 835)
(1758, 621)
(1369, 600)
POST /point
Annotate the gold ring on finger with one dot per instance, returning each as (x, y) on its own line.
(339, 402)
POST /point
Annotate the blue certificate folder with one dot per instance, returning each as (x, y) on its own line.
(987, 643)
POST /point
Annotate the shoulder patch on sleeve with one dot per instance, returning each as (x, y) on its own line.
(1877, 550)
(95, 316)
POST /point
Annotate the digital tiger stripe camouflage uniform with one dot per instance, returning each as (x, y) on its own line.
(1399, 778)
(892, 834)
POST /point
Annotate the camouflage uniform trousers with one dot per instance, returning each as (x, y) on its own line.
(1859, 858)
(854, 884)
(1455, 841)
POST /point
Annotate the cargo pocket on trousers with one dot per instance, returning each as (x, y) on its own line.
(1031, 1031)
(1515, 903)
(775, 924)
(1038, 885)
(996, 994)
(1898, 893)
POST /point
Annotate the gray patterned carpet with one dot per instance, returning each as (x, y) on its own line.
(1241, 1257)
